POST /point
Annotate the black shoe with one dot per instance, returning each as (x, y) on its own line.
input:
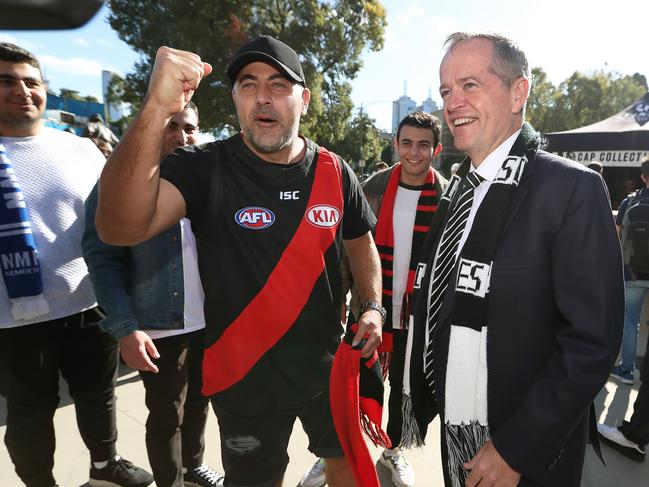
(119, 473)
(202, 476)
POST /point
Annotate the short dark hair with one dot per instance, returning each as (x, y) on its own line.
(15, 54)
(644, 168)
(423, 120)
(192, 106)
(381, 165)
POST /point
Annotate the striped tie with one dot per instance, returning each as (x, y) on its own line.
(445, 261)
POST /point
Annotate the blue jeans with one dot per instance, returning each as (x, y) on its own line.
(634, 294)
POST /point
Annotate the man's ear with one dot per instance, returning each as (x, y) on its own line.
(437, 150)
(520, 92)
(306, 98)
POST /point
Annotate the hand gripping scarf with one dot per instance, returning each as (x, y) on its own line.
(21, 270)
(426, 207)
(460, 358)
(356, 398)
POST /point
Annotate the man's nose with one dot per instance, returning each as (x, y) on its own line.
(262, 95)
(22, 89)
(453, 100)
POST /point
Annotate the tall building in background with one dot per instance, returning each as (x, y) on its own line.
(113, 112)
(402, 107)
(405, 105)
(428, 105)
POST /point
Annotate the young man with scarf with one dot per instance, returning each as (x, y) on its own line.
(404, 199)
(270, 211)
(519, 294)
(48, 317)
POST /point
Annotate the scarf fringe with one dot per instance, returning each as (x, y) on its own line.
(463, 442)
(410, 434)
(375, 433)
(29, 307)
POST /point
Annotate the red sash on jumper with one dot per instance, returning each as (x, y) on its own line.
(244, 341)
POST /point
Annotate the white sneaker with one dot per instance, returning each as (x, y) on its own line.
(614, 438)
(315, 477)
(403, 474)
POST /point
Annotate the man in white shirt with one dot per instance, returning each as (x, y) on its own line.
(519, 295)
(48, 317)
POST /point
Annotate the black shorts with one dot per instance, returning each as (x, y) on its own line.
(254, 448)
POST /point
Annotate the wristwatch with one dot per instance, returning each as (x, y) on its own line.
(368, 305)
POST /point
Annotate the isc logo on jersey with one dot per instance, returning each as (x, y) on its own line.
(323, 216)
(254, 218)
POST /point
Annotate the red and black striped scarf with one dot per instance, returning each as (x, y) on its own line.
(426, 207)
(356, 398)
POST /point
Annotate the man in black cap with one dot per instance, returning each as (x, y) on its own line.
(270, 210)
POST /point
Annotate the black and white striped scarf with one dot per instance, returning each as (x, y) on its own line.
(460, 364)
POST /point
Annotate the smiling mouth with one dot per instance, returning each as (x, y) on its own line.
(458, 122)
(23, 104)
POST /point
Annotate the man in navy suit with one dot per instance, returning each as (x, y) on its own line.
(518, 317)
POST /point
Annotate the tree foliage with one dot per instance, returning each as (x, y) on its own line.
(70, 94)
(330, 37)
(580, 100)
(387, 153)
(361, 141)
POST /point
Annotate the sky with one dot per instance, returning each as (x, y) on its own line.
(561, 36)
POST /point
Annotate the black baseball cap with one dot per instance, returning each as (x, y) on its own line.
(267, 49)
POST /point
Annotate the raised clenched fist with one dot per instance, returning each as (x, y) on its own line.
(176, 75)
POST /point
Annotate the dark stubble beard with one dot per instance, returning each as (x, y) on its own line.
(269, 144)
(265, 146)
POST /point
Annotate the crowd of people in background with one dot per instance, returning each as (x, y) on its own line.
(221, 273)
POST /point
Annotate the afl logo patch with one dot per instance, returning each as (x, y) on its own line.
(323, 216)
(254, 218)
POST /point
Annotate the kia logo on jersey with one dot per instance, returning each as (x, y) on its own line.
(324, 216)
(254, 218)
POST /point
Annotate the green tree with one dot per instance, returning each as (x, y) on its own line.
(580, 100)
(541, 105)
(387, 153)
(70, 94)
(361, 142)
(641, 79)
(330, 37)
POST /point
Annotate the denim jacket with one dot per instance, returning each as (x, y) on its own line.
(138, 287)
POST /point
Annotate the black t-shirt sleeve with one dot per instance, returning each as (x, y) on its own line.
(189, 170)
(358, 218)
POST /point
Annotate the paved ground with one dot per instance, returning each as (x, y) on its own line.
(71, 461)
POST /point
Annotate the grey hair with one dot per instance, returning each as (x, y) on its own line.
(508, 62)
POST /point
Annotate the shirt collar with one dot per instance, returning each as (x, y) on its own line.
(489, 168)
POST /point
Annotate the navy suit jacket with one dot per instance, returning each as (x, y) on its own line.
(555, 320)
